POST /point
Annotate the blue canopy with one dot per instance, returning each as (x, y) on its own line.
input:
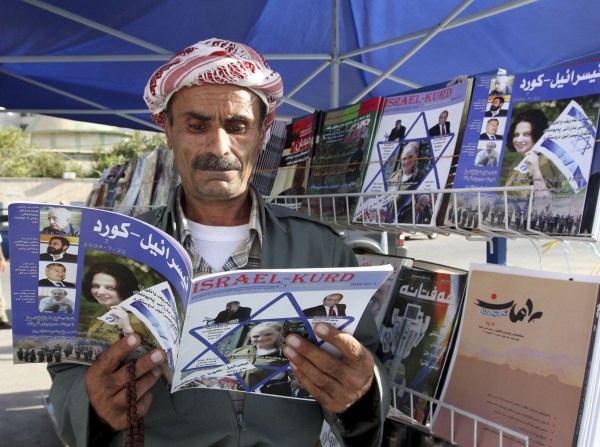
(90, 60)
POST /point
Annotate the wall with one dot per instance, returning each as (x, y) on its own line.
(46, 190)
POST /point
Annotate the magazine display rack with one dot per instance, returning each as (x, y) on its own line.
(314, 205)
(432, 404)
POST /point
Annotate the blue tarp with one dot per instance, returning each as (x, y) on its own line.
(90, 60)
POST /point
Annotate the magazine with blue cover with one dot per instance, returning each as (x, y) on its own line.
(533, 140)
(82, 278)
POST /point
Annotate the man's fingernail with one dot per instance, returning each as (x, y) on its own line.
(322, 329)
(157, 356)
(289, 352)
(156, 372)
(293, 340)
(131, 340)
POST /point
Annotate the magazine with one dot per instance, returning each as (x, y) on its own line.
(418, 330)
(118, 274)
(292, 175)
(267, 164)
(414, 148)
(340, 158)
(525, 358)
(538, 138)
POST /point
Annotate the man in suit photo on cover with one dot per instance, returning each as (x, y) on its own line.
(442, 127)
(331, 307)
(496, 108)
(57, 250)
(233, 313)
(397, 133)
(55, 276)
(491, 130)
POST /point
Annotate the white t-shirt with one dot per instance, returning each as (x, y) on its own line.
(217, 244)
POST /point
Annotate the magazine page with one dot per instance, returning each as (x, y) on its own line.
(340, 158)
(82, 277)
(236, 322)
(384, 295)
(537, 132)
(417, 332)
(413, 150)
(522, 356)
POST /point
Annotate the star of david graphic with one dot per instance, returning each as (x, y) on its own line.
(416, 132)
(211, 356)
(582, 144)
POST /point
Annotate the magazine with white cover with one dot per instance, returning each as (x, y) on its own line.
(82, 278)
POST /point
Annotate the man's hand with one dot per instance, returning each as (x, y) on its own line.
(106, 381)
(335, 383)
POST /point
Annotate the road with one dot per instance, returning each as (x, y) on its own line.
(456, 251)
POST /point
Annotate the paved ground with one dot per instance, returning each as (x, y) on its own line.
(24, 421)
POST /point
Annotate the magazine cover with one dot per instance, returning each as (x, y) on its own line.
(292, 173)
(414, 148)
(523, 357)
(539, 134)
(83, 278)
(340, 158)
(267, 164)
(417, 331)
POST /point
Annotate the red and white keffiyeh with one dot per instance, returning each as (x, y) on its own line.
(214, 61)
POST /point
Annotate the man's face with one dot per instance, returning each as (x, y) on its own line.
(496, 104)
(56, 273)
(55, 247)
(443, 117)
(491, 127)
(332, 300)
(232, 307)
(421, 205)
(58, 221)
(490, 147)
(58, 295)
(216, 137)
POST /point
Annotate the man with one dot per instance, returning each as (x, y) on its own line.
(57, 250)
(491, 129)
(60, 223)
(487, 156)
(57, 302)
(501, 86)
(397, 133)
(290, 388)
(423, 211)
(216, 101)
(442, 127)
(55, 276)
(233, 313)
(331, 307)
(496, 107)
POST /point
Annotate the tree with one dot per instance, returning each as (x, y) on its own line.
(16, 151)
(128, 150)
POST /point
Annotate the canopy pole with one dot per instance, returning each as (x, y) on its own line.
(334, 85)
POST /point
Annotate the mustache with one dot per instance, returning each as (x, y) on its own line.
(214, 163)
